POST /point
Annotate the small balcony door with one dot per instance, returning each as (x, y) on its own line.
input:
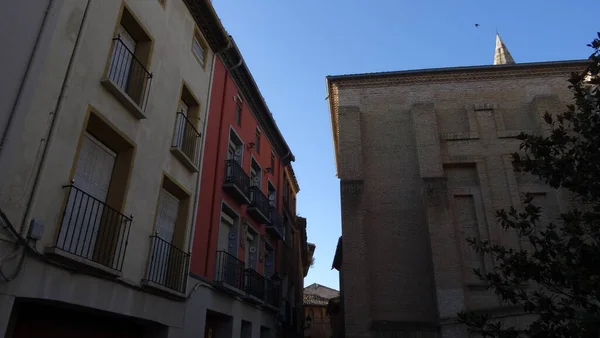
(84, 210)
(269, 263)
(255, 175)
(122, 58)
(234, 152)
(227, 266)
(272, 196)
(180, 131)
(249, 240)
(166, 218)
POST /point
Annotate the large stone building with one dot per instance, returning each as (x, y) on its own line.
(423, 158)
(104, 109)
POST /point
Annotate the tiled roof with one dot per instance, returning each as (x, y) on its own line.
(315, 300)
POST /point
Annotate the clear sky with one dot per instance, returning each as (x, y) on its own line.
(291, 45)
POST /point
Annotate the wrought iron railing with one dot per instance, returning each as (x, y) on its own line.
(235, 174)
(259, 201)
(254, 283)
(230, 270)
(276, 223)
(129, 74)
(187, 139)
(271, 292)
(167, 265)
(93, 230)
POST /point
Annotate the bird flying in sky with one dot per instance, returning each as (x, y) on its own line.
(476, 25)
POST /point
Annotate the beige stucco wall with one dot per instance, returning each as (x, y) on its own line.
(424, 162)
(14, 59)
(172, 62)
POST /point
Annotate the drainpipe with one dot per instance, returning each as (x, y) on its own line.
(215, 183)
(13, 110)
(52, 130)
(199, 175)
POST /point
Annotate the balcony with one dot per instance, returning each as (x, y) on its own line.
(271, 293)
(230, 271)
(275, 225)
(167, 266)
(186, 142)
(237, 183)
(254, 285)
(259, 205)
(92, 233)
(128, 79)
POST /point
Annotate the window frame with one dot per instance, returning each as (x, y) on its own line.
(197, 36)
(238, 110)
(257, 137)
(255, 166)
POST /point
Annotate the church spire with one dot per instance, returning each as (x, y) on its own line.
(502, 55)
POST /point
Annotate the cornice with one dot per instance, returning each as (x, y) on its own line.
(462, 74)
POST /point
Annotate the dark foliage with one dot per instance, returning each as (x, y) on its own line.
(555, 277)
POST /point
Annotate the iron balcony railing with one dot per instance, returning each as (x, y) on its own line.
(259, 201)
(167, 265)
(92, 230)
(230, 270)
(275, 223)
(271, 292)
(129, 74)
(235, 175)
(254, 283)
(187, 139)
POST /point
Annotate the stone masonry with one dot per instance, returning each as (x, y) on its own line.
(423, 159)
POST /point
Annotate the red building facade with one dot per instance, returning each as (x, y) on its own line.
(235, 135)
(248, 241)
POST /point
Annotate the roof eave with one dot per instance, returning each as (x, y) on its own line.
(244, 80)
(209, 24)
(334, 78)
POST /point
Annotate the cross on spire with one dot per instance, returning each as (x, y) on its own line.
(502, 55)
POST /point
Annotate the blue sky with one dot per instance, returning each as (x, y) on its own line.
(290, 46)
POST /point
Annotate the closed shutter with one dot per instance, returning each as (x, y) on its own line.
(224, 230)
(166, 218)
(168, 208)
(198, 50)
(84, 210)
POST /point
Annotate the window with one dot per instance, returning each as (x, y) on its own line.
(168, 258)
(186, 138)
(272, 196)
(272, 162)
(93, 225)
(128, 76)
(251, 249)
(235, 148)
(269, 262)
(227, 227)
(229, 268)
(199, 49)
(238, 111)
(257, 134)
(255, 174)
